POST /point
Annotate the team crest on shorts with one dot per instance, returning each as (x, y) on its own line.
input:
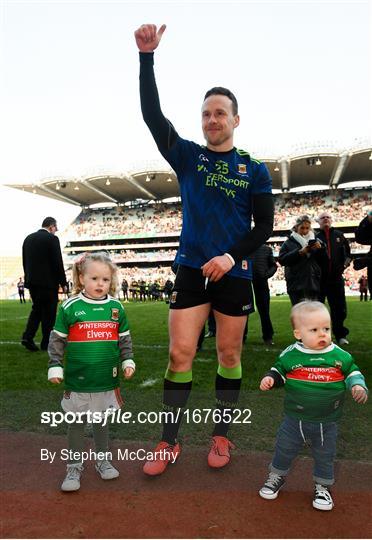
(115, 314)
(66, 394)
(173, 297)
(244, 264)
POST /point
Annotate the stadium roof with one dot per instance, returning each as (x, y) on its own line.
(329, 169)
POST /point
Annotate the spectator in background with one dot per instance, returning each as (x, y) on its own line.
(363, 235)
(21, 290)
(264, 267)
(300, 255)
(44, 272)
(363, 288)
(124, 288)
(168, 286)
(332, 284)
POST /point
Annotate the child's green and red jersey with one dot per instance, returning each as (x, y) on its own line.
(92, 329)
(315, 381)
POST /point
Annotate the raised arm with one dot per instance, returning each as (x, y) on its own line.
(147, 39)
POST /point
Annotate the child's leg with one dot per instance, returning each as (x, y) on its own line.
(75, 438)
(100, 436)
(289, 441)
(323, 449)
(103, 466)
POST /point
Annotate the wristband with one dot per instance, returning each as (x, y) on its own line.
(55, 372)
(128, 363)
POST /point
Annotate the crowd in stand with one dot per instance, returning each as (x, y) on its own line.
(345, 206)
(125, 221)
(161, 218)
(131, 255)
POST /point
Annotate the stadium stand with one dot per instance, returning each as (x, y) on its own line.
(137, 216)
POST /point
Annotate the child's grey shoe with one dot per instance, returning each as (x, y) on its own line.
(322, 498)
(272, 486)
(106, 470)
(72, 480)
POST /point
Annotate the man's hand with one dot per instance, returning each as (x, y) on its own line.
(55, 380)
(217, 267)
(148, 37)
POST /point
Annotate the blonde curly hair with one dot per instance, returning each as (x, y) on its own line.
(80, 265)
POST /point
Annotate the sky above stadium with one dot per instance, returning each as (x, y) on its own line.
(301, 71)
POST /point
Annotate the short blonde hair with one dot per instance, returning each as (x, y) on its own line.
(306, 306)
(80, 265)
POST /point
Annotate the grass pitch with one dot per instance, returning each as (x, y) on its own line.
(25, 391)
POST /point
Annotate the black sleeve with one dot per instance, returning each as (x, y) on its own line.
(161, 129)
(57, 261)
(278, 379)
(346, 247)
(288, 256)
(272, 267)
(263, 215)
(363, 234)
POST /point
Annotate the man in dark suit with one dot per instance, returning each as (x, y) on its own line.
(264, 267)
(332, 284)
(44, 272)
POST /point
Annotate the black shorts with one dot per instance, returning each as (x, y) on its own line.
(230, 295)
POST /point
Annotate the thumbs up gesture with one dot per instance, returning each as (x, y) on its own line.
(148, 37)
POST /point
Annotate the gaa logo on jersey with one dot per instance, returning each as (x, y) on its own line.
(244, 264)
(114, 371)
(173, 297)
(242, 168)
(115, 314)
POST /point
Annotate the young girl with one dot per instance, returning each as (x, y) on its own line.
(93, 328)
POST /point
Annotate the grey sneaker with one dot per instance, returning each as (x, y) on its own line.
(106, 470)
(72, 480)
(322, 498)
(272, 486)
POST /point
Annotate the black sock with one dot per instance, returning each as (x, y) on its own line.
(175, 397)
(227, 395)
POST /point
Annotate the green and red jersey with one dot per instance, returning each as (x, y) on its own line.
(315, 381)
(92, 329)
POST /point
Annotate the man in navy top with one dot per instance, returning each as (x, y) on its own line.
(222, 190)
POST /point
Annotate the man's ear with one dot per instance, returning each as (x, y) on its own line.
(236, 120)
